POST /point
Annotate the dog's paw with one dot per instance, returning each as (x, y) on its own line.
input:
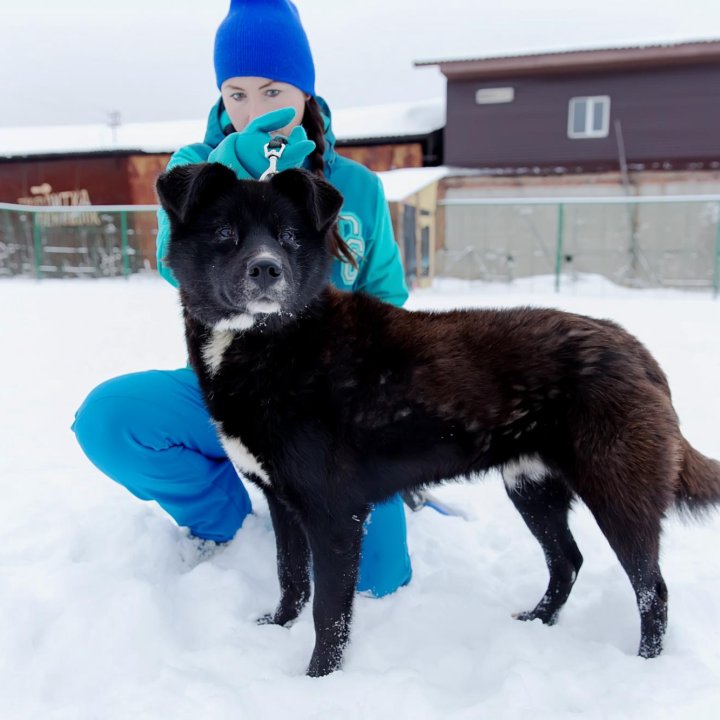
(544, 617)
(266, 619)
(275, 619)
(322, 666)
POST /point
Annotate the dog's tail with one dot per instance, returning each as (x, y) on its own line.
(698, 481)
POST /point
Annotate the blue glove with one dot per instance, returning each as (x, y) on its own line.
(244, 151)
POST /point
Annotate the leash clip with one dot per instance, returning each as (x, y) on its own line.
(273, 152)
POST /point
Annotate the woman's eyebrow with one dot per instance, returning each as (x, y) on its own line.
(262, 87)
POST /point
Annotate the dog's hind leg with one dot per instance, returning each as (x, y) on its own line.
(635, 538)
(652, 600)
(544, 503)
(293, 563)
(335, 543)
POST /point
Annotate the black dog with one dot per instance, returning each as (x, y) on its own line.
(332, 401)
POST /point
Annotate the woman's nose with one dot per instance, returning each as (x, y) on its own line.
(254, 110)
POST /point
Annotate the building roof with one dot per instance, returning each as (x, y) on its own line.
(397, 120)
(394, 120)
(564, 61)
(399, 184)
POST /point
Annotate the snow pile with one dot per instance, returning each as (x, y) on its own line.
(101, 618)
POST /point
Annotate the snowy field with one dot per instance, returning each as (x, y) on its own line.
(101, 620)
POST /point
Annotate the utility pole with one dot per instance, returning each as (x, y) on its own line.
(114, 121)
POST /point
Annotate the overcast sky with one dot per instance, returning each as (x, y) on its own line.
(75, 61)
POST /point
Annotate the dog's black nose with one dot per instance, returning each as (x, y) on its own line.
(264, 271)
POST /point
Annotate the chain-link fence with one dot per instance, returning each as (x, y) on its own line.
(633, 241)
(92, 241)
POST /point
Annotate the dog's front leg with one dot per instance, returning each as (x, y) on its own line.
(293, 563)
(335, 544)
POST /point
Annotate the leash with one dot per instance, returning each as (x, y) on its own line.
(273, 152)
(418, 499)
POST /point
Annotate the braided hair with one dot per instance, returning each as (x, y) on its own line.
(314, 124)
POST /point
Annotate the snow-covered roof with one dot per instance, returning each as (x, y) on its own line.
(62, 139)
(669, 48)
(377, 121)
(403, 182)
(391, 120)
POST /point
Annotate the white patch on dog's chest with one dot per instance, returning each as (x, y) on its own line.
(526, 468)
(241, 321)
(214, 349)
(244, 461)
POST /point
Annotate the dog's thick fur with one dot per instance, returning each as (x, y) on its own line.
(331, 402)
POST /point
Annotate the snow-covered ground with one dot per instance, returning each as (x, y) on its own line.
(100, 619)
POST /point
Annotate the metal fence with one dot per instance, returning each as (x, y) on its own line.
(87, 241)
(636, 241)
(633, 241)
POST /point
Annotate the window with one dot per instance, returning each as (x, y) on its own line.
(589, 117)
(494, 96)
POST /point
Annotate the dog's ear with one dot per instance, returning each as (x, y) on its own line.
(320, 200)
(183, 188)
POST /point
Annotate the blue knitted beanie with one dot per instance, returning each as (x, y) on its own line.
(264, 38)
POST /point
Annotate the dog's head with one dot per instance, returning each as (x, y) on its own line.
(243, 248)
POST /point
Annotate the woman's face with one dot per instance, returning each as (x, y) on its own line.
(246, 98)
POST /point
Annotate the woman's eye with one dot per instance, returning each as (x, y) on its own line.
(226, 233)
(272, 92)
(238, 96)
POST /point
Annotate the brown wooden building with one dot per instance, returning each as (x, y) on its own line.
(127, 177)
(586, 110)
(122, 177)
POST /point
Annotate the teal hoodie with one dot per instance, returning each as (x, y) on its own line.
(364, 221)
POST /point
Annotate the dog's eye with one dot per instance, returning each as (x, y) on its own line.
(225, 232)
(287, 238)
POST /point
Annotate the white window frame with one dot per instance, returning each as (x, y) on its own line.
(589, 132)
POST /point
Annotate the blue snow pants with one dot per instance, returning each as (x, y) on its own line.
(151, 432)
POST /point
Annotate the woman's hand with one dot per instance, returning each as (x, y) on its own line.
(244, 151)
